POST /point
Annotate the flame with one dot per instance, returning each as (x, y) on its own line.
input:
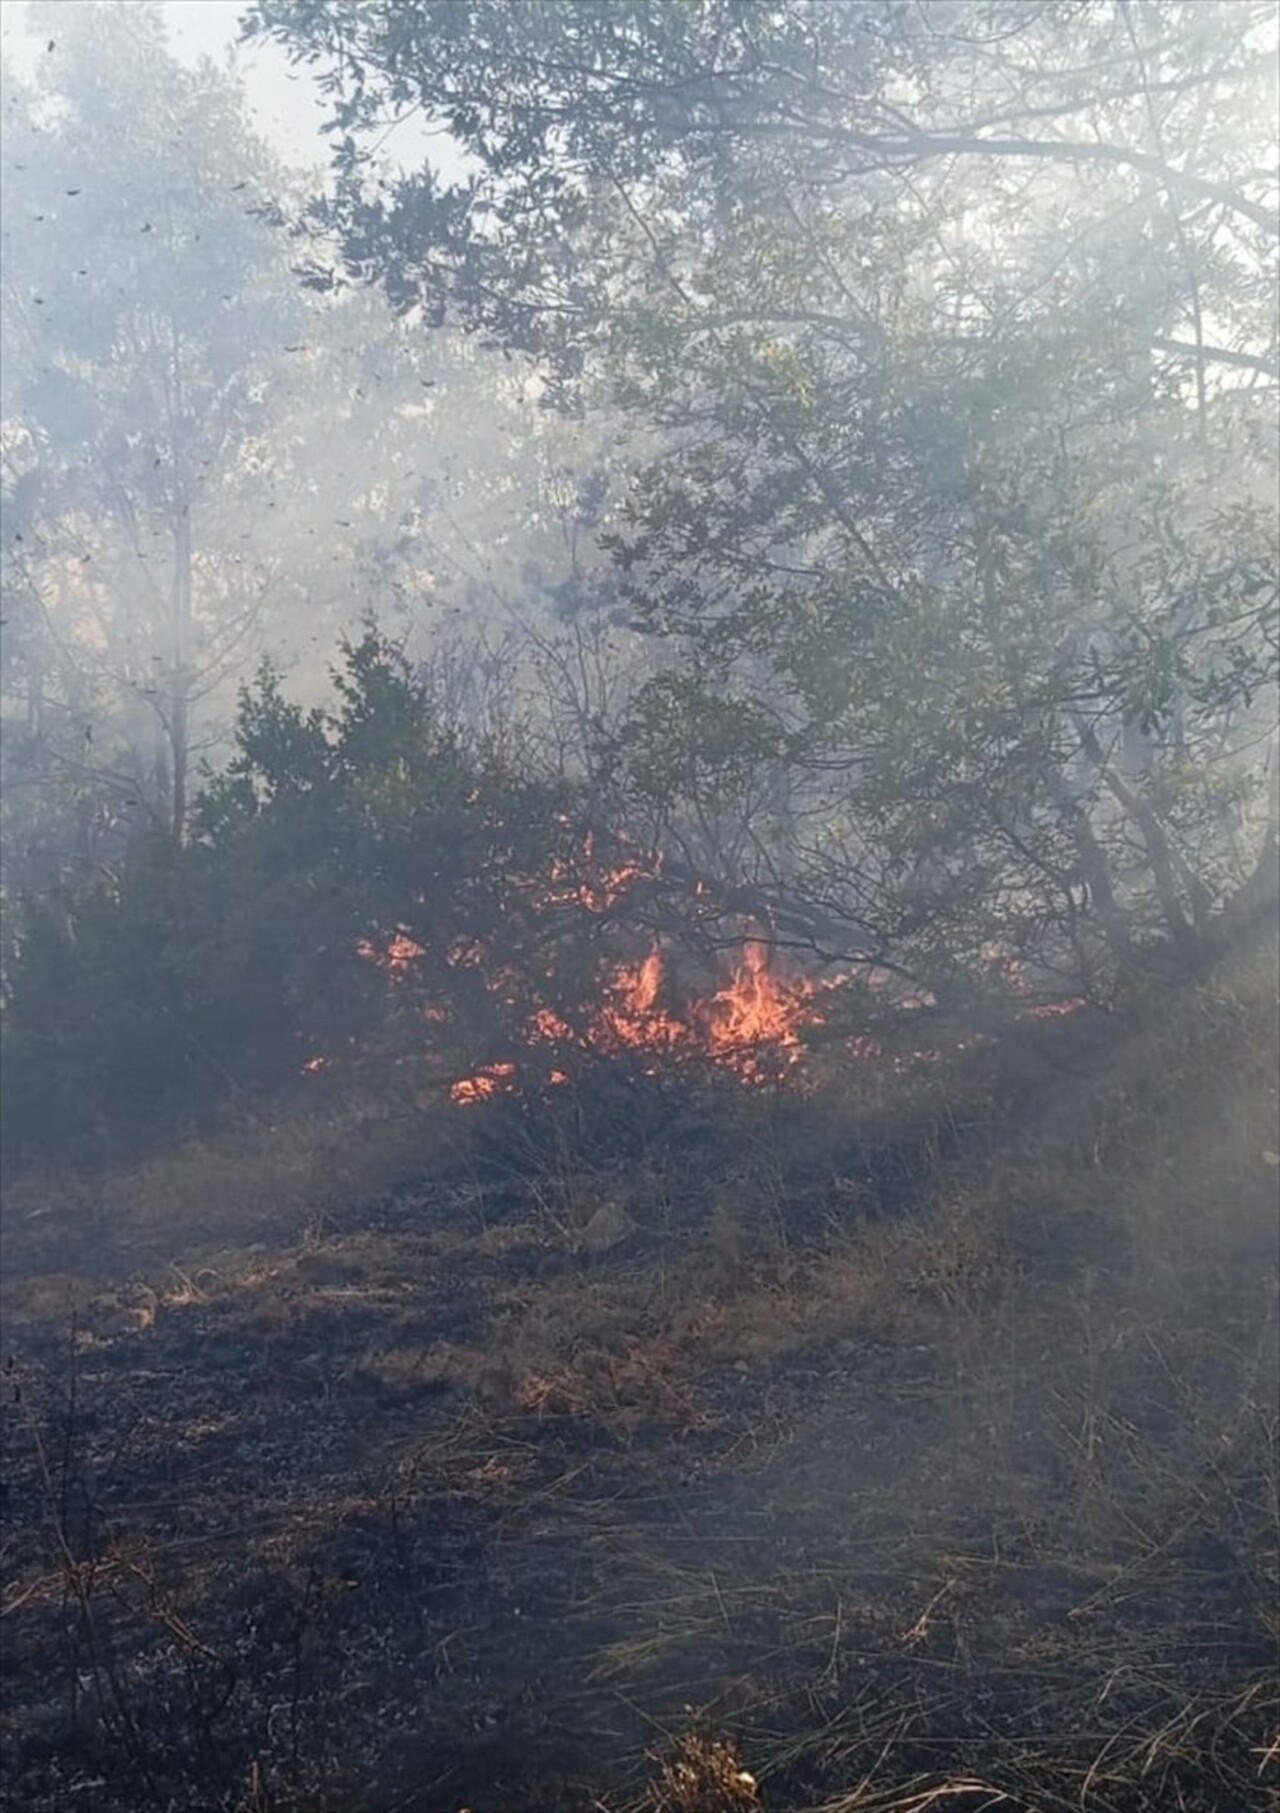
(750, 1027)
(601, 895)
(580, 884)
(757, 1009)
(630, 1016)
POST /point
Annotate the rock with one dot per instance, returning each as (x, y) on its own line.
(608, 1227)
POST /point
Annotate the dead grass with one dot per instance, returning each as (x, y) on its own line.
(952, 1491)
(704, 1775)
(265, 1182)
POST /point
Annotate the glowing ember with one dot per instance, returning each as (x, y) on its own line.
(548, 1028)
(398, 957)
(582, 885)
(493, 1079)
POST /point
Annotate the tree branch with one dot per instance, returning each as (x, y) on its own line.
(1218, 355)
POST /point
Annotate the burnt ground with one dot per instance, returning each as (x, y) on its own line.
(467, 1497)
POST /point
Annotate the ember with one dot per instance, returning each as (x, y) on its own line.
(596, 892)
(397, 958)
(494, 1079)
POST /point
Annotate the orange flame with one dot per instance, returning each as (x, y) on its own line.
(757, 1009)
(570, 884)
(630, 1015)
(751, 1026)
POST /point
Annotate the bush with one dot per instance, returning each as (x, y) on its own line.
(209, 973)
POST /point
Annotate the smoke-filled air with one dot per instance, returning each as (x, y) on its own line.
(639, 658)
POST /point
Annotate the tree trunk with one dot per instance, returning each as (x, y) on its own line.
(179, 724)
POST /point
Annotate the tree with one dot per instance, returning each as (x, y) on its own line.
(203, 977)
(328, 464)
(147, 310)
(958, 324)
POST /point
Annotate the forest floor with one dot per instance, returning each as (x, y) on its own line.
(808, 1463)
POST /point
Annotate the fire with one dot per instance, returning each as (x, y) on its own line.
(397, 957)
(756, 1010)
(493, 1079)
(583, 884)
(548, 1028)
(750, 1027)
(630, 1017)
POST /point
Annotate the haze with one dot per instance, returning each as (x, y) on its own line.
(640, 832)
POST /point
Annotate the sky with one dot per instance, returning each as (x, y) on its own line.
(285, 103)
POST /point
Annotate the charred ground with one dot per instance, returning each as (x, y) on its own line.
(901, 1458)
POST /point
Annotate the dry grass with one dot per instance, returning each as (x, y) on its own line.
(956, 1493)
(264, 1182)
(703, 1775)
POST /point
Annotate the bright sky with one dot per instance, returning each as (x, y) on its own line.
(285, 104)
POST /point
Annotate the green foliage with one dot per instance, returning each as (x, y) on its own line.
(957, 324)
(205, 975)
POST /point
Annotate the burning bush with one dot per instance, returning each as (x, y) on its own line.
(750, 1026)
(367, 892)
(369, 895)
